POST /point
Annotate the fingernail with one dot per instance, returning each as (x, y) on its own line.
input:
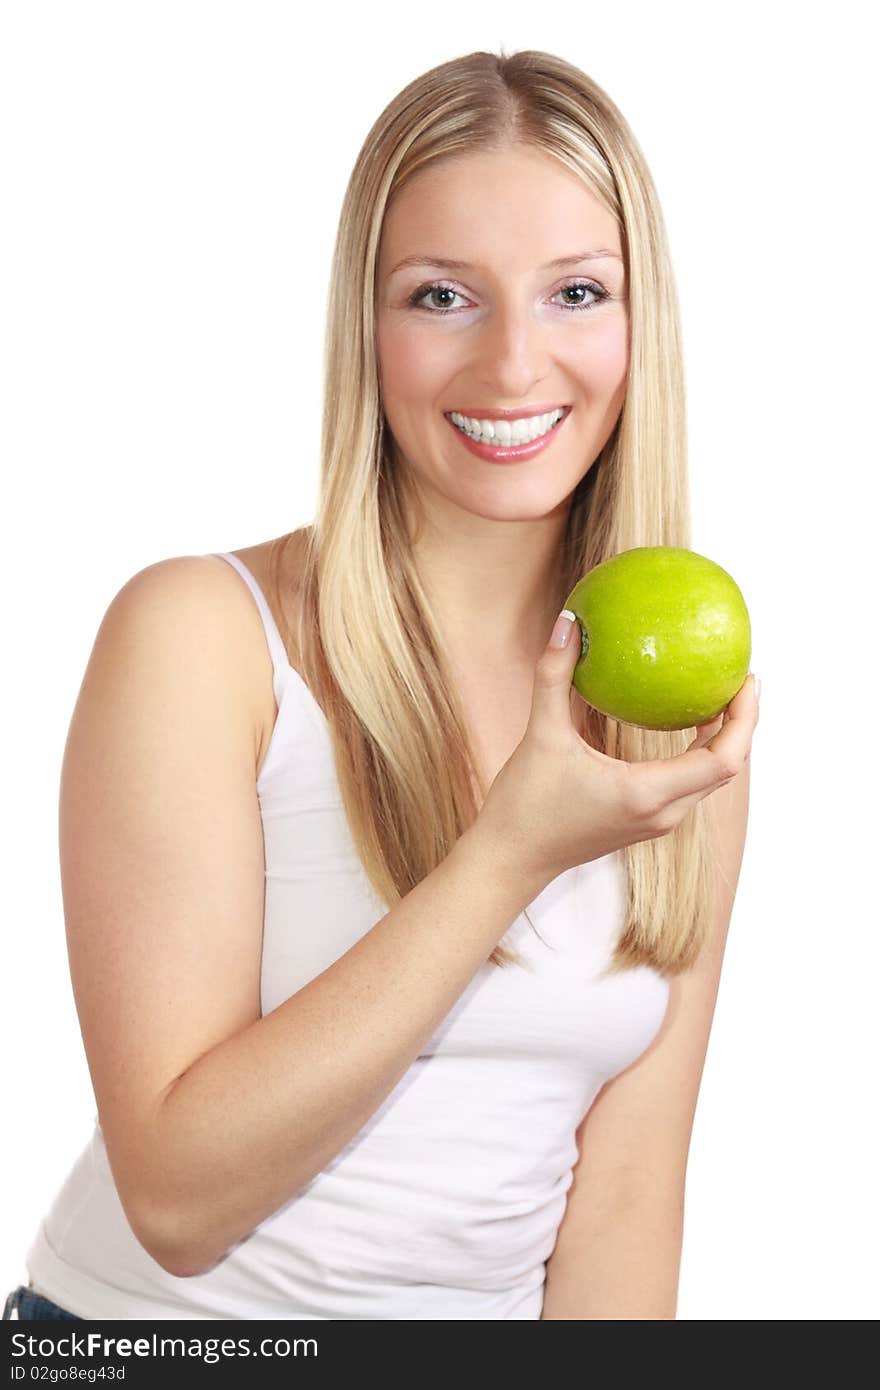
(564, 624)
(757, 689)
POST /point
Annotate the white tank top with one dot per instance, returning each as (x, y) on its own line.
(447, 1202)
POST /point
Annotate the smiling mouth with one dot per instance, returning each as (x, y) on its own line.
(503, 431)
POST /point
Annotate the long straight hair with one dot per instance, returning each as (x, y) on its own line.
(367, 640)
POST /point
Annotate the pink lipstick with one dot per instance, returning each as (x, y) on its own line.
(515, 453)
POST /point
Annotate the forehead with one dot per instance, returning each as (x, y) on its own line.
(520, 205)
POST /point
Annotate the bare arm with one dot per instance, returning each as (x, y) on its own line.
(279, 1099)
(214, 1116)
(628, 1269)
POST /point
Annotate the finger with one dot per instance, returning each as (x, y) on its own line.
(707, 731)
(707, 764)
(552, 685)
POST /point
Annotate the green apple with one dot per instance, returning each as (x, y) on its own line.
(666, 639)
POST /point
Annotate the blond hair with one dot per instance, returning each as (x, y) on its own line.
(368, 642)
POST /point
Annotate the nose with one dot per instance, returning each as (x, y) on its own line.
(513, 353)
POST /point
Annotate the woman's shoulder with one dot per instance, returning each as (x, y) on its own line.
(277, 567)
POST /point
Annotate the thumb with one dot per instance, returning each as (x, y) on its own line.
(551, 695)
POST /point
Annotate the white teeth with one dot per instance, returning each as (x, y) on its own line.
(507, 432)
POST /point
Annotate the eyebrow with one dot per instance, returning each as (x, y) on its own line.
(448, 263)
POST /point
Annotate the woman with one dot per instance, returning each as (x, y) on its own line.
(395, 962)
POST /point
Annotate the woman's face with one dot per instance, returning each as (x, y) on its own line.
(498, 335)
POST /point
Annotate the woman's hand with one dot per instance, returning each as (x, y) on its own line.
(558, 801)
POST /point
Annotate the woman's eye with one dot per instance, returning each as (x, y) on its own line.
(589, 294)
(586, 285)
(424, 290)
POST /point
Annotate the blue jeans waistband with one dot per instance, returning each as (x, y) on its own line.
(30, 1305)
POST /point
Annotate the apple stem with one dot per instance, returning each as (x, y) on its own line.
(585, 642)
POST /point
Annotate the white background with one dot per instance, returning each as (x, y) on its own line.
(171, 176)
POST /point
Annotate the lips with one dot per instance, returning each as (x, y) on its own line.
(514, 453)
(520, 413)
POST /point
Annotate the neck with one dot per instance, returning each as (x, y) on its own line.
(494, 585)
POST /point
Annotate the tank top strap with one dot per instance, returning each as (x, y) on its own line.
(277, 649)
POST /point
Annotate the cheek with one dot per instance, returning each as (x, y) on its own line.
(616, 358)
(601, 363)
(410, 364)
